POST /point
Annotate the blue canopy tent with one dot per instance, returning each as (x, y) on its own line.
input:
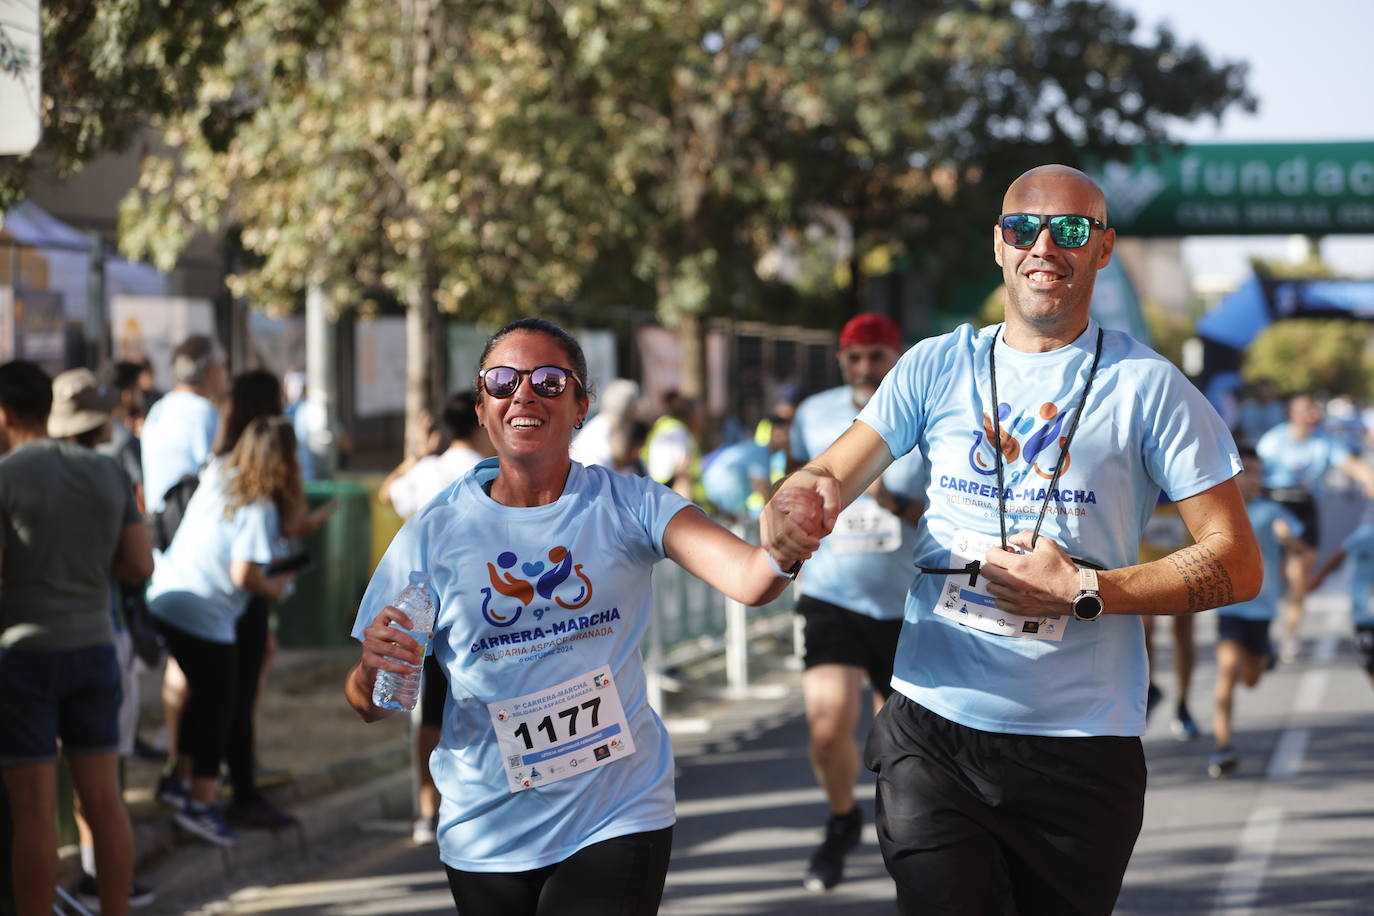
(1235, 321)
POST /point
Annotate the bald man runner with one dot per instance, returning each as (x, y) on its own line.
(1009, 763)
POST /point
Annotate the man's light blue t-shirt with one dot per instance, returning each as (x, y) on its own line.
(528, 598)
(191, 588)
(1300, 463)
(1145, 427)
(297, 414)
(177, 437)
(1263, 514)
(1359, 549)
(867, 581)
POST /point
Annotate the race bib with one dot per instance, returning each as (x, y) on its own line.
(972, 606)
(563, 730)
(865, 527)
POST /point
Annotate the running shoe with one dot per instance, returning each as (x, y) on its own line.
(827, 862)
(1289, 649)
(1152, 697)
(1222, 763)
(206, 822)
(172, 792)
(423, 832)
(1183, 726)
(88, 894)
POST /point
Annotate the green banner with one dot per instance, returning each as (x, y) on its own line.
(1243, 189)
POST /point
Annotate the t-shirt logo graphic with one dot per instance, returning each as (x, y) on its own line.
(1019, 458)
(560, 574)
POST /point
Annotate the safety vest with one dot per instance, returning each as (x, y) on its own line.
(671, 424)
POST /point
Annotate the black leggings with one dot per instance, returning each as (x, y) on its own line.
(251, 640)
(622, 876)
(211, 670)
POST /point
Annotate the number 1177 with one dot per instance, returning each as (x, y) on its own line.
(547, 726)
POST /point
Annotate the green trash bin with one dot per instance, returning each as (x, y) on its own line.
(320, 611)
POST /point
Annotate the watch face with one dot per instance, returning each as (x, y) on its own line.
(1087, 607)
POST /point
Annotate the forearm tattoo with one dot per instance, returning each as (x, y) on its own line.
(1208, 583)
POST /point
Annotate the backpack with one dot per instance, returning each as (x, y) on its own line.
(166, 522)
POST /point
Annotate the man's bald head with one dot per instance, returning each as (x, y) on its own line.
(1053, 179)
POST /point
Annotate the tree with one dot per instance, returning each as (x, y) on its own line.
(1309, 355)
(109, 67)
(425, 152)
(743, 124)
(490, 157)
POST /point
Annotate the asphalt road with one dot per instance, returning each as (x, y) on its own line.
(1291, 832)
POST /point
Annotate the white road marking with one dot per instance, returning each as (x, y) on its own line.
(1243, 878)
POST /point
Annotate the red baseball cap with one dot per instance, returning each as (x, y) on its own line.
(870, 329)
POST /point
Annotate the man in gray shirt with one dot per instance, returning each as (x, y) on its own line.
(68, 523)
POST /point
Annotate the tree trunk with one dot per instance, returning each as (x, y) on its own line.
(691, 332)
(422, 324)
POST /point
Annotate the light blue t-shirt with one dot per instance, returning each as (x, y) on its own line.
(1359, 547)
(849, 572)
(1263, 514)
(1146, 427)
(177, 437)
(1300, 463)
(298, 416)
(728, 476)
(1256, 419)
(191, 588)
(528, 598)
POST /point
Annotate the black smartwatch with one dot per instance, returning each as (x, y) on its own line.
(1087, 604)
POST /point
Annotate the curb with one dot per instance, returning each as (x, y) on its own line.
(182, 870)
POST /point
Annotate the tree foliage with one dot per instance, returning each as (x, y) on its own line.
(497, 157)
(1308, 355)
(110, 67)
(1312, 356)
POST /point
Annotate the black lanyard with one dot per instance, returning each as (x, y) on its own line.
(973, 566)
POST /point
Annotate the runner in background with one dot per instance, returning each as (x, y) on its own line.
(1297, 455)
(1243, 649)
(1165, 533)
(1359, 548)
(854, 589)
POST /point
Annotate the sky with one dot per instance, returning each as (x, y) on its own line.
(1308, 65)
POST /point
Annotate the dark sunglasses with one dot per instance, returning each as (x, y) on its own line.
(1020, 230)
(547, 381)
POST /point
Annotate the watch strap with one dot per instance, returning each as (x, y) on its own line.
(1087, 580)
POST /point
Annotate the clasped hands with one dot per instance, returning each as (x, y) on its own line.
(799, 514)
(1032, 582)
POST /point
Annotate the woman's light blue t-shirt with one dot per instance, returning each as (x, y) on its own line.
(504, 579)
(191, 588)
(1145, 427)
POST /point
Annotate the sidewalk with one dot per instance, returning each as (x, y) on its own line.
(321, 763)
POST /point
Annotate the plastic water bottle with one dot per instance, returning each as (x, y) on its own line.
(400, 691)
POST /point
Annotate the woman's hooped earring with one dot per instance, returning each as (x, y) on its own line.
(579, 423)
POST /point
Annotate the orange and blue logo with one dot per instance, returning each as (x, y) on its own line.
(1023, 444)
(556, 579)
